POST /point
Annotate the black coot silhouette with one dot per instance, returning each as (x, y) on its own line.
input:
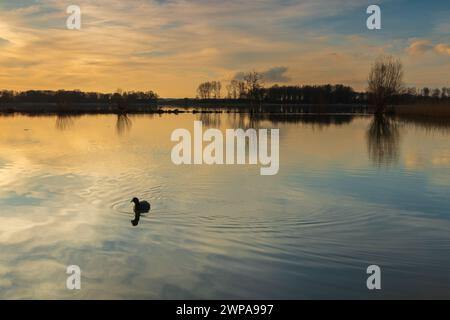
(141, 206)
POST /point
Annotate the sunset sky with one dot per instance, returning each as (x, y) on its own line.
(170, 46)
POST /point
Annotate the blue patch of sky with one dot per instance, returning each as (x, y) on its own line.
(16, 4)
(401, 19)
(47, 23)
(35, 17)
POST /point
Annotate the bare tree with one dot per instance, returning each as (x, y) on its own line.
(210, 89)
(241, 90)
(253, 84)
(385, 81)
(216, 87)
(230, 94)
(204, 90)
(412, 91)
(234, 89)
(436, 93)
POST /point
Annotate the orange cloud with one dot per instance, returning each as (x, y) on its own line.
(442, 48)
(419, 46)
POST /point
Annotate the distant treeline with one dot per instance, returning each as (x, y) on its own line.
(425, 95)
(324, 94)
(64, 97)
(251, 88)
(319, 94)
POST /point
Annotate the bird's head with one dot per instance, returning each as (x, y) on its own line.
(135, 200)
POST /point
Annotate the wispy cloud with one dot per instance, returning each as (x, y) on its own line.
(443, 48)
(420, 46)
(170, 46)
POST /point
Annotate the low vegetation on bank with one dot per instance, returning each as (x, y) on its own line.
(439, 109)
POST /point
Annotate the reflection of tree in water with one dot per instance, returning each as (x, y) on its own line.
(383, 140)
(242, 121)
(261, 120)
(210, 120)
(64, 121)
(313, 119)
(123, 124)
(429, 124)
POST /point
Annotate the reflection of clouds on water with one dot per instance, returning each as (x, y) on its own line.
(441, 159)
(439, 180)
(40, 240)
(200, 244)
(413, 161)
(383, 139)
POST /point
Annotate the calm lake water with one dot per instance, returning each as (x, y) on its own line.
(350, 192)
